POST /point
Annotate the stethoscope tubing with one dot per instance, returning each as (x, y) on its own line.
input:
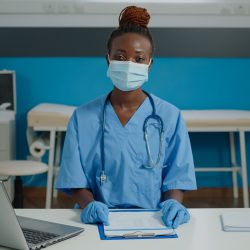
(153, 115)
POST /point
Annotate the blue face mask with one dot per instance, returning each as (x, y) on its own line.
(127, 75)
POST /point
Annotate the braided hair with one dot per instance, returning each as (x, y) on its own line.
(132, 19)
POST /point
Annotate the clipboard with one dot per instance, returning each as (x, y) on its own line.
(134, 234)
(235, 221)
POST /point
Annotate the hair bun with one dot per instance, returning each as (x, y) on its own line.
(134, 14)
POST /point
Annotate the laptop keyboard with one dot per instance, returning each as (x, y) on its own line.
(36, 237)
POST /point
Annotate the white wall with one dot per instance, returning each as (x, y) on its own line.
(103, 13)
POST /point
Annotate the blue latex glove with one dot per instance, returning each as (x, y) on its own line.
(174, 213)
(95, 212)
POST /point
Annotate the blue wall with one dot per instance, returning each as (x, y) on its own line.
(188, 83)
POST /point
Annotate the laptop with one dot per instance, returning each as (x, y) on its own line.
(27, 233)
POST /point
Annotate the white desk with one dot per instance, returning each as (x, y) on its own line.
(202, 232)
(54, 119)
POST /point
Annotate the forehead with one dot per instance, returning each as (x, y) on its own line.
(131, 42)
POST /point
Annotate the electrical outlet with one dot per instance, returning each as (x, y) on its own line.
(64, 8)
(49, 8)
(240, 9)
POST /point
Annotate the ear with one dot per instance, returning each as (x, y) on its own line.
(151, 62)
(107, 58)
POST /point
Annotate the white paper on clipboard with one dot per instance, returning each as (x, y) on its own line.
(136, 223)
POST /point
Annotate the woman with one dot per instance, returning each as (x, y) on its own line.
(129, 148)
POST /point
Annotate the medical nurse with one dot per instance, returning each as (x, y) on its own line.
(128, 149)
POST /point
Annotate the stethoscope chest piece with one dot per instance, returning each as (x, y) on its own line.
(103, 177)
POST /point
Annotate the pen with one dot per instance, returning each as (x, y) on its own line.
(138, 234)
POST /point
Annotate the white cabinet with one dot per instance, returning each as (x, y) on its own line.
(7, 143)
(7, 120)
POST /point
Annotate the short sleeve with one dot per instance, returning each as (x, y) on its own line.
(179, 166)
(71, 174)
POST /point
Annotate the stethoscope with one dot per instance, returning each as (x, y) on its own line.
(151, 163)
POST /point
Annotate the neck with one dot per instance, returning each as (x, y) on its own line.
(127, 99)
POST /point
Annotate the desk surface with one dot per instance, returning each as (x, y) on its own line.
(202, 232)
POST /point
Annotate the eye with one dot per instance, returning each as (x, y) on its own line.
(120, 58)
(140, 60)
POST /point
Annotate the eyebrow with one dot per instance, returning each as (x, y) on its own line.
(121, 50)
(137, 51)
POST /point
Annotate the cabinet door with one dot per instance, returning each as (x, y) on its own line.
(4, 155)
(7, 139)
(4, 137)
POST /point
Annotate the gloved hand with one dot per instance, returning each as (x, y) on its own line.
(174, 213)
(95, 212)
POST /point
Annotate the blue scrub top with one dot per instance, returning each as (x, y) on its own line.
(129, 183)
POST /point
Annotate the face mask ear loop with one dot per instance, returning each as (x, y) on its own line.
(149, 64)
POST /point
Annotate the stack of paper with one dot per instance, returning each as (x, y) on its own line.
(236, 221)
(136, 223)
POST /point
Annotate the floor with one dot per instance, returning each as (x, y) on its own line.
(202, 198)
